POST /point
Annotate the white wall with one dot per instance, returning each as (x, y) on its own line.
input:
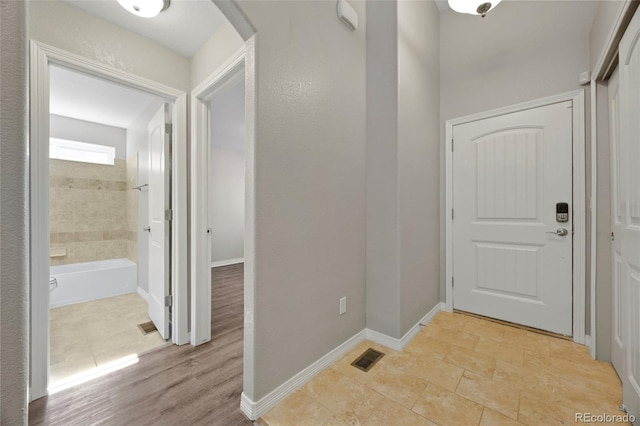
(14, 255)
(85, 131)
(227, 174)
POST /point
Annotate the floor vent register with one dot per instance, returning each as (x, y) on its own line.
(147, 327)
(367, 360)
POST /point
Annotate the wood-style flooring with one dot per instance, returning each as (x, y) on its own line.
(174, 385)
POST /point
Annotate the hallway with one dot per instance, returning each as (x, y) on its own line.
(169, 386)
(459, 370)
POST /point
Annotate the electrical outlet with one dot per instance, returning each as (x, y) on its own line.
(343, 305)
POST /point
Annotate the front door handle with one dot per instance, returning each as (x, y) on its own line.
(562, 232)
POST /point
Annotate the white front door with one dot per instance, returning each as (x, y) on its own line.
(512, 257)
(627, 233)
(618, 297)
(159, 219)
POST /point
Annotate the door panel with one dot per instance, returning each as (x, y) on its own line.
(159, 203)
(628, 230)
(509, 173)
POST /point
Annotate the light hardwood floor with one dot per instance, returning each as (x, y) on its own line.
(172, 385)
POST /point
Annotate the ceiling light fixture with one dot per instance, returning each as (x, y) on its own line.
(145, 8)
(472, 7)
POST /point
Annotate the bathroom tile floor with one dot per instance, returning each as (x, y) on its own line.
(92, 334)
(460, 370)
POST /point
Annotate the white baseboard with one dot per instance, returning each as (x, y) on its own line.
(254, 410)
(400, 344)
(143, 294)
(589, 344)
(383, 339)
(227, 262)
(413, 331)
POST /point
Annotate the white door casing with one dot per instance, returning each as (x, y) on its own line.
(234, 68)
(618, 298)
(41, 55)
(160, 223)
(509, 171)
(628, 203)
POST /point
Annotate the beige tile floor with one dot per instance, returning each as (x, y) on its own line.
(459, 370)
(91, 334)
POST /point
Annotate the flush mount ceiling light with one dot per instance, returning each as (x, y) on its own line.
(145, 8)
(473, 7)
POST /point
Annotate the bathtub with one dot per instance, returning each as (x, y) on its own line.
(82, 282)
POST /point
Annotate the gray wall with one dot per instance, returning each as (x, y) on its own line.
(227, 174)
(418, 162)
(14, 256)
(521, 51)
(67, 27)
(606, 16)
(402, 164)
(383, 292)
(310, 184)
(222, 44)
(226, 204)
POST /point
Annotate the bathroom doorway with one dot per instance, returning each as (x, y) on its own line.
(107, 234)
(100, 163)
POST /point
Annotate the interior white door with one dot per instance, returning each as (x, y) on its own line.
(618, 311)
(159, 219)
(512, 257)
(628, 232)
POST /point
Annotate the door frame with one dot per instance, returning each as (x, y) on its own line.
(242, 59)
(579, 199)
(604, 67)
(200, 150)
(40, 57)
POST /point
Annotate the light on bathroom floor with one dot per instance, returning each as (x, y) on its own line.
(93, 373)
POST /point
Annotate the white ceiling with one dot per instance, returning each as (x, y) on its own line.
(88, 98)
(184, 27)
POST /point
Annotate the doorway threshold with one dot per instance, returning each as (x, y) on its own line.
(514, 325)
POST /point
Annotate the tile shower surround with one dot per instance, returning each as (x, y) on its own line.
(89, 213)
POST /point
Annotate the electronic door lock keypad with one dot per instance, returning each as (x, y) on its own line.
(562, 212)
